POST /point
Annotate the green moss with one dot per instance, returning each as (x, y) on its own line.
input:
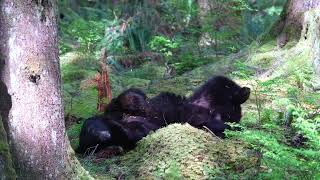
(84, 103)
(281, 61)
(78, 70)
(268, 46)
(6, 166)
(78, 59)
(297, 58)
(74, 168)
(179, 85)
(73, 135)
(147, 71)
(135, 82)
(183, 151)
(71, 74)
(290, 44)
(263, 60)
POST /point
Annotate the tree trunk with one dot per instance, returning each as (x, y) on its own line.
(311, 35)
(300, 20)
(291, 21)
(204, 38)
(34, 124)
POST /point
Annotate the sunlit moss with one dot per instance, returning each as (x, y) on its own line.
(184, 151)
(268, 46)
(263, 60)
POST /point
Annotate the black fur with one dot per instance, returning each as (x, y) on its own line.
(133, 102)
(214, 103)
(201, 117)
(94, 131)
(105, 132)
(162, 105)
(222, 96)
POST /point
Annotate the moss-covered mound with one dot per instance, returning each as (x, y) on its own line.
(184, 152)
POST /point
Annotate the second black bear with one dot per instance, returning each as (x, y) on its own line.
(132, 101)
(98, 132)
(94, 131)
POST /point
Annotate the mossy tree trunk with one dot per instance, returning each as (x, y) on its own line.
(32, 110)
(311, 34)
(300, 21)
(292, 18)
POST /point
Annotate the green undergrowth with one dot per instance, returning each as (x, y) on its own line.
(79, 82)
(148, 71)
(182, 152)
(76, 68)
(268, 46)
(282, 105)
(279, 159)
(79, 85)
(186, 83)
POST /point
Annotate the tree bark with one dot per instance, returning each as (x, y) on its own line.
(300, 20)
(291, 20)
(311, 36)
(31, 74)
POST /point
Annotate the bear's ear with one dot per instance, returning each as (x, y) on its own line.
(241, 96)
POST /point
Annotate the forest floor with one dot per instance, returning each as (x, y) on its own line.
(281, 83)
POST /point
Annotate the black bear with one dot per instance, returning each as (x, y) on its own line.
(94, 131)
(222, 96)
(214, 103)
(98, 132)
(131, 116)
(136, 127)
(132, 101)
(162, 105)
(200, 117)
